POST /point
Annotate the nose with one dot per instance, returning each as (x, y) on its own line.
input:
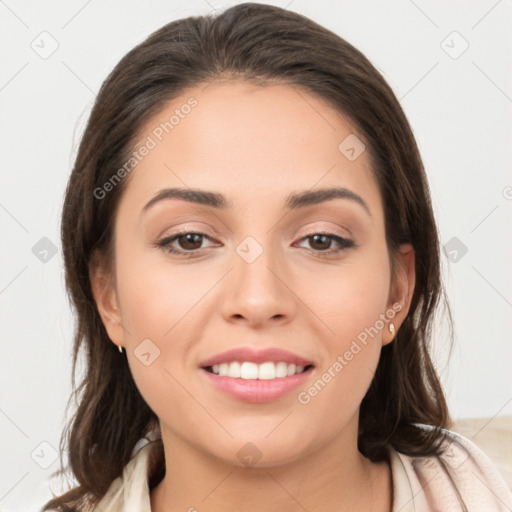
(258, 292)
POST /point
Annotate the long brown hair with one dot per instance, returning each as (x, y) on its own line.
(261, 44)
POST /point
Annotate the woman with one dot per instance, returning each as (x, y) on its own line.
(250, 247)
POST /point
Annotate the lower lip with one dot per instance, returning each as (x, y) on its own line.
(256, 390)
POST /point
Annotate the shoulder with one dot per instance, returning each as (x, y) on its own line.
(461, 478)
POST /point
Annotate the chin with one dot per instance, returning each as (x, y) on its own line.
(256, 452)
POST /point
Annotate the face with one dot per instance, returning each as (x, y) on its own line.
(252, 314)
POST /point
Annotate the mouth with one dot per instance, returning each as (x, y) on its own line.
(256, 376)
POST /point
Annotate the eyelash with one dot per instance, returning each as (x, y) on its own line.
(164, 243)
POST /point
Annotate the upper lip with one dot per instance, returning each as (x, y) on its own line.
(243, 354)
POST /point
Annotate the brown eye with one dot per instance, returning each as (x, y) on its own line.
(190, 241)
(186, 244)
(322, 243)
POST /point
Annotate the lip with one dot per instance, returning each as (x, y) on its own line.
(242, 354)
(256, 390)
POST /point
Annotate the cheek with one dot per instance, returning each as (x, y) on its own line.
(352, 303)
(158, 312)
(336, 392)
(157, 297)
(351, 353)
(163, 309)
(352, 299)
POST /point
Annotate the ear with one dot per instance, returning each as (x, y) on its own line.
(402, 289)
(105, 295)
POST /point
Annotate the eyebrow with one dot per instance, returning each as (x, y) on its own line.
(294, 200)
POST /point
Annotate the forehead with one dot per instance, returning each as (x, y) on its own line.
(252, 141)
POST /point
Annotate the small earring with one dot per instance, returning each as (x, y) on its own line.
(120, 348)
(392, 328)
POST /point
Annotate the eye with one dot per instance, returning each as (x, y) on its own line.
(188, 242)
(322, 243)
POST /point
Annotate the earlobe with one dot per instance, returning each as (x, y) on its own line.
(105, 296)
(402, 290)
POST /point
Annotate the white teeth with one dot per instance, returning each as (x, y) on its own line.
(267, 371)
(281, 370)
(249, 371)
(234, 370)
(252, 371)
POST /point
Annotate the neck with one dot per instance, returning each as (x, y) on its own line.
(334, 477)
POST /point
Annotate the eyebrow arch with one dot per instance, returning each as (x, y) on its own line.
(204, 197)
(294, 200)
(312, 197)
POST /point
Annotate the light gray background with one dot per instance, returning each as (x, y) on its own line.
(459, 108)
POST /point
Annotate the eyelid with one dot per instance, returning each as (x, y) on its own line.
(186, 227)
(324, 231)
(331, 229)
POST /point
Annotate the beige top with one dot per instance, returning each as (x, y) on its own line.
(420, 484)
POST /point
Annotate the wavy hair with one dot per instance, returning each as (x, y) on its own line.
(261, 44)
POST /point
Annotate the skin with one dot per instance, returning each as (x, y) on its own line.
(255, 145)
